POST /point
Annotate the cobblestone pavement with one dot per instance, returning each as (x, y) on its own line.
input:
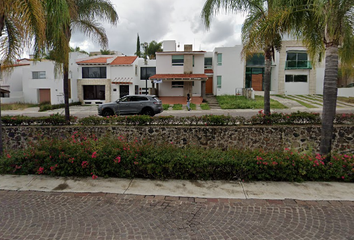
(43, 215)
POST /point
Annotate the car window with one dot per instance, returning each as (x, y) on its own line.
(125, 99)
(140, 98)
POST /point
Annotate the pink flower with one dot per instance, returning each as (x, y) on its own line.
(286, 149)
(94, 176)
(136, 163)
(342, 177)
(8, 156)
(84, 164)
(40, 170)
(94, 155)
(117, 160)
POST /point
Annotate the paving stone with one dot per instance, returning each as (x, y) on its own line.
(40, 215)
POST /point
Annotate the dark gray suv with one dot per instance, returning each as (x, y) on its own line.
(132, 104)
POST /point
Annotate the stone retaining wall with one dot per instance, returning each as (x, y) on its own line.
(241, 137)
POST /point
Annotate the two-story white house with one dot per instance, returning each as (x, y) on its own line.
(179, 73)
(105, 78)
(38, 81)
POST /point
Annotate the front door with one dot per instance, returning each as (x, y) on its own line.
(209, 86)
(123, 90)
(44, 95)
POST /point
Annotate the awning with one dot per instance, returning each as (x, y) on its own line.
(179, 77)
(122, 80)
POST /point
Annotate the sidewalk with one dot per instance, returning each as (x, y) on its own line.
(183, 188)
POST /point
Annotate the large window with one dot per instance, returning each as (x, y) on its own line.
(208, 62)
(219, 59)
(295, 78)
(146, 72)
(297, 60)
(94, 92)
(177, 84)
(177, 60)
(94, 72)
(255, 60)
(38, 75)
(218, 81)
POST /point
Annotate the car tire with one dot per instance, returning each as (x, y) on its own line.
(148, 111)
(107, 112)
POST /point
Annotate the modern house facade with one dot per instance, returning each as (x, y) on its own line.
(179, 73)
(106, 78)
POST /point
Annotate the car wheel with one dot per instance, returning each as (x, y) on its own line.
(148, 111)
(107, 112)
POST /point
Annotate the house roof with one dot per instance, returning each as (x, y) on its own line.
(97, 60)
(123, 60)
(117, 60)
(180, 77)
(208, 71)
(4, 90)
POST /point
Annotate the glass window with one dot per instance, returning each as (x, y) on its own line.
(295, 78)
(177, 60)
(297, 60)
(146, 72)
(255, 60)
(219, 59)
(177, 84)
(94, 72)
(218, 81)
(38, 75)
(94, 92)
(208, 62)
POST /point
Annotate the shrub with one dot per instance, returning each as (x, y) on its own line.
(45, 106)
(177, 106)
(85, 155)
(205, 106)
(165, 106)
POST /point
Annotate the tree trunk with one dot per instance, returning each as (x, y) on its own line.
(329, 98)
(66, 93)
(266, 86)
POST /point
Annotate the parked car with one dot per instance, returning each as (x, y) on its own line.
(132, 104)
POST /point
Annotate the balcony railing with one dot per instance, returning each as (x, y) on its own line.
(297, 65)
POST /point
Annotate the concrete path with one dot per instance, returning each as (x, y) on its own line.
(183, 188)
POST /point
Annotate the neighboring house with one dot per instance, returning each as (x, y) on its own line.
(106, 78)
(292, 71)
(37, 81)
(179, 72)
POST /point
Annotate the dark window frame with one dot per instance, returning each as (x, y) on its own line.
(88, 72)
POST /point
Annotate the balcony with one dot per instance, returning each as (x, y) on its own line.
(300, 64)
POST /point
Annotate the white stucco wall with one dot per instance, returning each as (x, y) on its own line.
(54, 83)
(232, 70)
(346, 92)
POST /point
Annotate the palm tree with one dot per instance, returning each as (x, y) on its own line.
(257, 34)
(325, 26)
(20, 21)
(83, 16)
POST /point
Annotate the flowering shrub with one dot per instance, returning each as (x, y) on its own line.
(88, 156)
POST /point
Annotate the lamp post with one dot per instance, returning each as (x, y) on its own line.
(145, 45)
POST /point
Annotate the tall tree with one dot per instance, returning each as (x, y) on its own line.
(325, 26)
(153, 48)
(83, 16)
(138, 51)
(20, 23)
(257, 34)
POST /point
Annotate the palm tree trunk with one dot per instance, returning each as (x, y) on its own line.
(266, 86)
(66, 93)
(329, 98)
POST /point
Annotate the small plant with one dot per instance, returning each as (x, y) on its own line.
(205, 106)
(165, 106)
(177, 106)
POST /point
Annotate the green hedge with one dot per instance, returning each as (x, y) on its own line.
(81, 156)
(208, 120)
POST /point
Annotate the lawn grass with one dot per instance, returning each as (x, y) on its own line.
(346, 99)
(241, 102)
(297, 100)
(205, 106)
(177, 106)
(16, 106)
